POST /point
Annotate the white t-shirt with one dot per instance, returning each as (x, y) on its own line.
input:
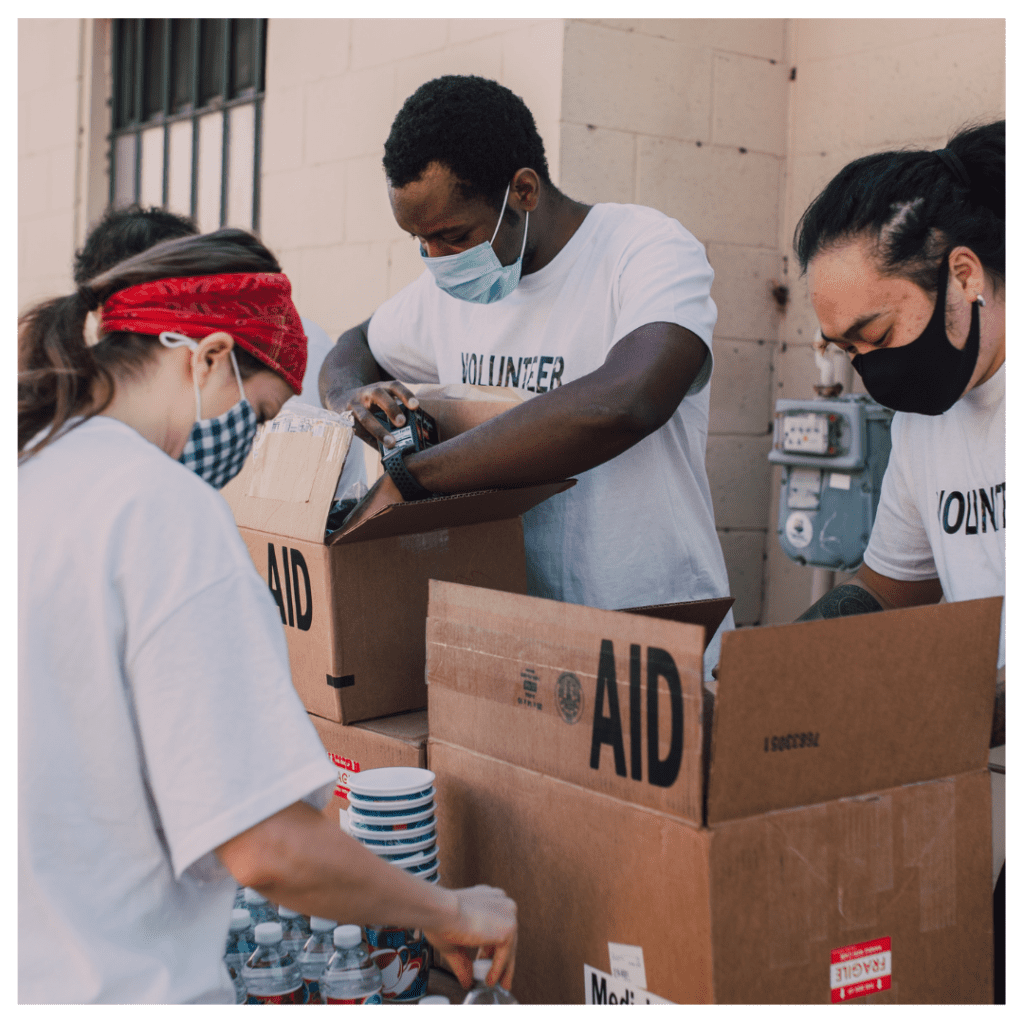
(942, 510)
(156, 720)
(638, 529)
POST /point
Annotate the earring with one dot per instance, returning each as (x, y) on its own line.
(979, 299)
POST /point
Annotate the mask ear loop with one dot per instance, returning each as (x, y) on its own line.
(526, 226)
(502, 214)
(171, 339)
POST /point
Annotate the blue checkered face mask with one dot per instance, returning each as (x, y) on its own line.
(477, 275)
(217, 447)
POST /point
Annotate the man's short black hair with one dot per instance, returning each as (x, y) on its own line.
(127, 232)
(481, 131)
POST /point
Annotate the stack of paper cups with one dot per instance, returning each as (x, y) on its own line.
(392, 813)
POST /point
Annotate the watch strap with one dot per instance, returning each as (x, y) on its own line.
(406, 483)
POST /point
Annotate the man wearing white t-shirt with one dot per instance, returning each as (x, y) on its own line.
(603, 313)
(905, 253)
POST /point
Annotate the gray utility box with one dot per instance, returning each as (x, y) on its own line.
(833, 453)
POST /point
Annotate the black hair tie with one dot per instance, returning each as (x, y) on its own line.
(955, 165)
(88, 296)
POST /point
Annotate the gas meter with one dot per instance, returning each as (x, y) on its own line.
(833, 453)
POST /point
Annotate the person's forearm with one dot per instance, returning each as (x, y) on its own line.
(846, 599)
(870, 591)
(551, 437)
(350, 364)
(302, 860)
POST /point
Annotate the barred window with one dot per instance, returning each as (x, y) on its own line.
(187, 110)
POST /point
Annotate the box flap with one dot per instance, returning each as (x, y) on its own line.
(816, 711)
(708, 613)
(448, 511)
(608, 701)
(288, 481)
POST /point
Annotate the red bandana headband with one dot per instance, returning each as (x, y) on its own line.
(255, 309)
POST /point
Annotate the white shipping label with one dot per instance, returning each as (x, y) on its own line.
(603, 989)
(840, 481)
(627, 963)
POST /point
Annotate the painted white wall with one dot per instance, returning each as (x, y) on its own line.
(49, 69)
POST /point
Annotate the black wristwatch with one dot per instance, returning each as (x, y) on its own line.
(404, 480)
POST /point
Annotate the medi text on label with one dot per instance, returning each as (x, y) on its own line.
(607, 729)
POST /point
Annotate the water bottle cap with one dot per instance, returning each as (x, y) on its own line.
(435, 1001)
(347, 935)
(285, 912)
(240, 920)
(480, 969)
(268, 933)
(322, 924)
(252, 896)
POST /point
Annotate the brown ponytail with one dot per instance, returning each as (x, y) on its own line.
(60, 377)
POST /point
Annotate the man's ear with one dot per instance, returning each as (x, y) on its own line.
(967, 270)
(525, 192)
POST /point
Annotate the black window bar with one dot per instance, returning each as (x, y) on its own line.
(167, 70)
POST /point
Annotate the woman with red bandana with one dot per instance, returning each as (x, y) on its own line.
(162, 749)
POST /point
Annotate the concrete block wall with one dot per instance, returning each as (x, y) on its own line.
(333, 88)
(863, 86)
(700, 133)
(49, 68)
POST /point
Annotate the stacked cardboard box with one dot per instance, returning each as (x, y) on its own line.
(824, 837)
(378, 743)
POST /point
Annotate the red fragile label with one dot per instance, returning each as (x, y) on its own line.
(346, 766)
(861, 969)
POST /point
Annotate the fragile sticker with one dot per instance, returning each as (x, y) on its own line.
(861, 969)
(346, 767)
(605, 989)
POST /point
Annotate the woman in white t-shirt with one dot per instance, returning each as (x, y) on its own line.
(905, 255)
(162, 749)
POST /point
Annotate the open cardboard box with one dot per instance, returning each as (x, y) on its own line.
(354, 607)
(830, 843)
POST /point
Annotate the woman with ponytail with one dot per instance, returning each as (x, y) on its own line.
(905, 257)
(162, 749)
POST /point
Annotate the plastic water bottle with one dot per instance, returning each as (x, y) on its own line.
(294, 929)
(241, 942)
(483, 993)
(241, 992)
(240, 946)
(350, 976)
(271, 974)
(259, 909)
(313, 957)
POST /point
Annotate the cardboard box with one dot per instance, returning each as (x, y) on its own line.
(377, 743)
(831, 843)
(354, 608)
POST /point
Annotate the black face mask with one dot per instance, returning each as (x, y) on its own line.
(929, 375)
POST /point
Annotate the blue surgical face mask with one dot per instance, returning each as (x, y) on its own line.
(476, 275)
(217, 448)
